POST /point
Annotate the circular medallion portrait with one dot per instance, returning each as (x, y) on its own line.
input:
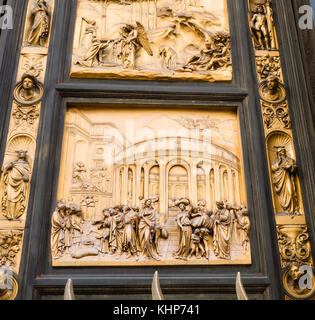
(272, 90)
(28, 91)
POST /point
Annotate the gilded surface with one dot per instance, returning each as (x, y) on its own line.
(17, 167)
(154, 40)
(150, 187)
(293, 238)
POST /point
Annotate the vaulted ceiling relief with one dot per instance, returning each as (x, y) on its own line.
(152, 39)
(150, 187)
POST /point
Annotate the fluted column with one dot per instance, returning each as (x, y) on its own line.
(162, 187)
(146, 181)
(138, 184)
(237, 191)
(208, 190)
(231, 188)
(193, 180)
(217, 182)
(125, 185)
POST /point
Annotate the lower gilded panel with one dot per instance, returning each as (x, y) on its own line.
(150, 187)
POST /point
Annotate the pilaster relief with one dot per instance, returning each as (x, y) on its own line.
(292, 231)
(153, 40)
(16, 173)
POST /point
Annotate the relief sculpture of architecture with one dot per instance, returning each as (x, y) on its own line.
(149, 197)
(136, 138)
(177, 40)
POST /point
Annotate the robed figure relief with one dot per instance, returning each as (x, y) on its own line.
(284, 181)
(222, 229)
(40, 27)
(185, 229)
(16, 178)
(58, 230)
(66, 228)
(148, 230)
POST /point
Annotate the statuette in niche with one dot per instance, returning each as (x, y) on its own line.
(262, 27)
(39, 32)
(15, 184)
(272, 90)
(28, 91)
(284, 181)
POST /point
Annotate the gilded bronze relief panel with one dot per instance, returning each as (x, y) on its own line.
(153, 40)
(150, 187)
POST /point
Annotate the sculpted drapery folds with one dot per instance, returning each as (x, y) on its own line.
(94, 55)
(148, 230)
(131, 39)
(66, 223)
(243, 224)
(129, 236)
(152, 40)
(185, 229)
(58, 230)
(40, 27)
(284, 181)
(16, 177)
(196, 224)
(127, 232)
(222, 228)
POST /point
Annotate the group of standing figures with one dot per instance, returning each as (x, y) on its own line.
(136, 231)
(131, 230)
(123, 229)
(196, 224)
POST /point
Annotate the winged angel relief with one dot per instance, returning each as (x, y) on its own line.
(132, 39)
(152, 39)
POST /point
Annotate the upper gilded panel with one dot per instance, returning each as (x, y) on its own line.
(152, 40)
